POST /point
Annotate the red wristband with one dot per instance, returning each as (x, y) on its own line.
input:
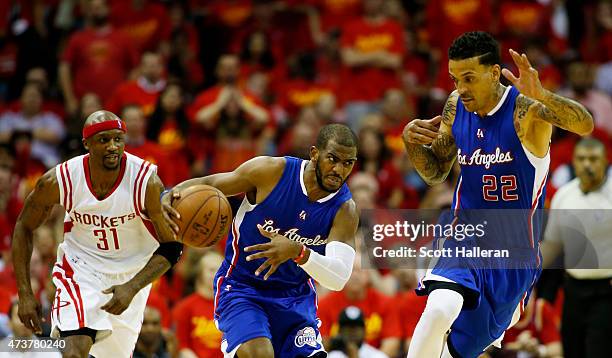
(301, 255)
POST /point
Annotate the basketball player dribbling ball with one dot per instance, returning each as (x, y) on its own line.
(483, 119)
(296, 223)
(110, 254)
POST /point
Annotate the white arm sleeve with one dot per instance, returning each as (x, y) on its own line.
(334, 269)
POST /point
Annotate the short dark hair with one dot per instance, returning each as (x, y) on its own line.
(476, 44)
(591, 143)
(339, 133)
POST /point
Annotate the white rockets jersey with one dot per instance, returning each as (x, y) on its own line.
(110, 234)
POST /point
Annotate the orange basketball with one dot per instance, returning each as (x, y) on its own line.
(206, 216)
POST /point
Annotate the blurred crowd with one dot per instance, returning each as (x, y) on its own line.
(204, 85)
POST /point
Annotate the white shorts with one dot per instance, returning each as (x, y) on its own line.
(78, 298)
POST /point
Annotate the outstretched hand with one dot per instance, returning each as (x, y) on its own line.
(528, 82)
(277, 251)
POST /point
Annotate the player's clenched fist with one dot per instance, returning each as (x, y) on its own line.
(422, 131)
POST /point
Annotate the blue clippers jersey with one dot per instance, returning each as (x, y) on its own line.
(497, 172)
(288, 211)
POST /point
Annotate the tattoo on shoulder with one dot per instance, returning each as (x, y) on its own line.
(523, 104)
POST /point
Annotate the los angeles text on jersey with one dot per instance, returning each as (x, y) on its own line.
(101, 220)
(485, 159)
(446, 252)
(292, 234)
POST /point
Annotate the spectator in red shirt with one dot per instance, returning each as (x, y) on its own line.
(96, 59)
(145, 22)
(372, 53)
(226, 112)
(375, 158)
(194, 315)
(136, 142)
(183, 59)
(332, 15)
(209, 104)
(142, 91)
(27, 168)
(446, 20)
(397, 111)
(410, 305)
(536, 332)
(381, 316)
(10, 205)
(169, 127)
(303, 88)
(257, 56)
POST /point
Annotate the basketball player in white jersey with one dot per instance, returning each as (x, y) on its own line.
(110, 254)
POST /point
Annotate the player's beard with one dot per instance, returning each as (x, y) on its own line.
(110, 168)
(319, 176)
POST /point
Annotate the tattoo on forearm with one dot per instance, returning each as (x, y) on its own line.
(425, 162)
(433, 163)
(563, 112)
(444, 147)
(449, 111)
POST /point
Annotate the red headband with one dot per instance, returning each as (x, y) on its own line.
(103, 126)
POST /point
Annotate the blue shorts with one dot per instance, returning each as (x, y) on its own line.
(493, 300)
(288, 318)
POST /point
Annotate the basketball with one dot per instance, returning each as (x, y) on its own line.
(206, 216)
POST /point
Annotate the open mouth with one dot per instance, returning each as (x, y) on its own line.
(111, 157)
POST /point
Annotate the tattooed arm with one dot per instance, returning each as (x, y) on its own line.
(562, 112)
(432, 150)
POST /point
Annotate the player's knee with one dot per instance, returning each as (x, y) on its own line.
(74, 352)
(256, 348)
(443, 306)
(77, 346)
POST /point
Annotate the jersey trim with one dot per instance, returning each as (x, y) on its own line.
(138, 189)
(501, 102)
(64, 193)
(117, 182)
(541, 166)
(67, 184)
(303, 186)
(458, 194)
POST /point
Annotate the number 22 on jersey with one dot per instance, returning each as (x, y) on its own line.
(508, 187)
